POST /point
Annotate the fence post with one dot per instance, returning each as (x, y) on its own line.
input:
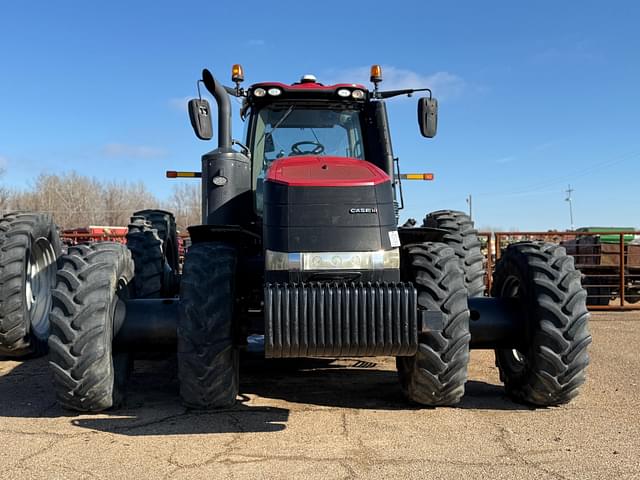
(622, 281)
(489, 269)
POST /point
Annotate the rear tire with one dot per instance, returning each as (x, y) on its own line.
(208, 367)
(29, 247)
(147, 252)
(155, 260)
(165, 224)
(436, 374)
(88, 308)
(463, 238)
(549, 366)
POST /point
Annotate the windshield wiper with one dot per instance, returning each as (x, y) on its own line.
(278, 123)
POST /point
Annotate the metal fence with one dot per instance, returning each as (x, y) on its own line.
(489, 251)
(609, 262)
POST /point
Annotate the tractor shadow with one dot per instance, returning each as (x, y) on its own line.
(152, 405)
(270, 391)
(352, 383)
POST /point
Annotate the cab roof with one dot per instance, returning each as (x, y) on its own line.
(307, 86)
(270, 92)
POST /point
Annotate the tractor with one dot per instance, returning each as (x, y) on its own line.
(300, 246)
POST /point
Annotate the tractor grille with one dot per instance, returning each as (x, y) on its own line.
(340, 319)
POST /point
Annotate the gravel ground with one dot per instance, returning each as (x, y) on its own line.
(332, 419)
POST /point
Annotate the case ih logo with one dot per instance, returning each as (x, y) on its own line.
(363, 210)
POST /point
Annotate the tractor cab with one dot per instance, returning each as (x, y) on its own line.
(305, 119)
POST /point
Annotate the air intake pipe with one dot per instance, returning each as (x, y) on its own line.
(224, 109)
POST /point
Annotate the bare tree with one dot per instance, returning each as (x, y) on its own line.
(121, 199)
(78, 201)
(5, 196)
(185, 203)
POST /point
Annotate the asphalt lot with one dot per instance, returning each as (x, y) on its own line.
(332, 419)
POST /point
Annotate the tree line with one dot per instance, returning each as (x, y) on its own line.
(77, 201)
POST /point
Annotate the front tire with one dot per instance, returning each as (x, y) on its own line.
(436, 374)
(29, 247)
(549, 366)
(88, 307)
(208, 361)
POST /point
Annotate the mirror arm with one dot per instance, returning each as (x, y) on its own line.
(408, 92)
(235, 92)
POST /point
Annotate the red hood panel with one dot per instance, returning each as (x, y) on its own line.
(325, 171)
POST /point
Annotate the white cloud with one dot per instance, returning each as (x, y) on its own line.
(132, 151)
(443, 84)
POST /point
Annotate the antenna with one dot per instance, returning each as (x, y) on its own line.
(568, 199)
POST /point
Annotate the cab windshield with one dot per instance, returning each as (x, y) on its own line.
(293, 130)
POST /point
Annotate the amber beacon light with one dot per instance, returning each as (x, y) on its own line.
(376, 73)
(237, 73)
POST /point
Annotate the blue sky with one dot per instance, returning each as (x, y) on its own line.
(533, 95)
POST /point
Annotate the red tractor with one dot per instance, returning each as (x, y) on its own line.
(300, 245)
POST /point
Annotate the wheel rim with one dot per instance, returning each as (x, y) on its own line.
(517, 361)
(40, 279)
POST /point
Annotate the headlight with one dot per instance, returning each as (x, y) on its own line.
(357, 94)
(259, 92)
(274, 92)
(343, 92)
(337, 261)
(309, 261)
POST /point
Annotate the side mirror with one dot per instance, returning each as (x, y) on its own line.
(200, 116)
(428, 116)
